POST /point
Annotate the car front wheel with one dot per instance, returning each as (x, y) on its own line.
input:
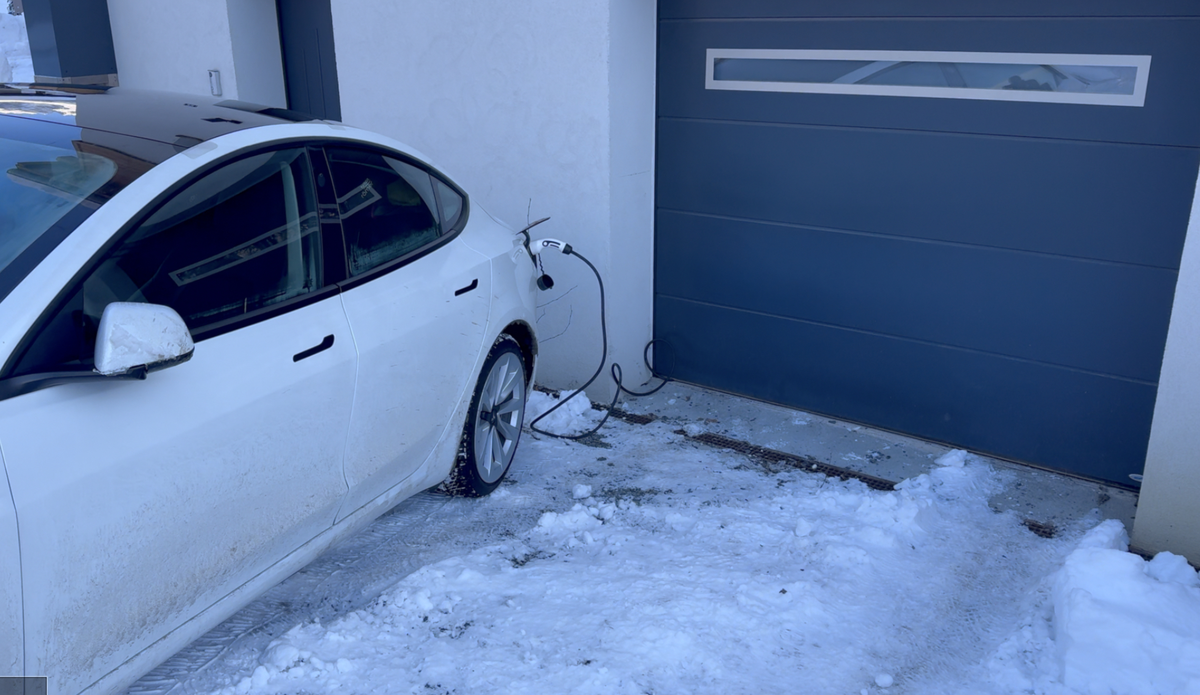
(493, 422)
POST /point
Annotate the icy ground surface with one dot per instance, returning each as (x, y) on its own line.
(642, 562)
(16, 65)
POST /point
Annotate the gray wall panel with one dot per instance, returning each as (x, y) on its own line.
(1092, 200)
(1040, 414)
(1101, 317)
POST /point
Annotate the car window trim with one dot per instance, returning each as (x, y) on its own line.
(396, 263)
(333, 238)
(270, 311)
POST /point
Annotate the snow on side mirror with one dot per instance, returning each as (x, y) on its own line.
(136, 336)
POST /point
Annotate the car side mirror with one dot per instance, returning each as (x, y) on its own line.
(135, 339)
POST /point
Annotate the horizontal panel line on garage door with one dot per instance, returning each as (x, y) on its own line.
(915, 341)
(1087, 199)
(930, 130)
(1024, 13)
(1101, 317)
(919, 240)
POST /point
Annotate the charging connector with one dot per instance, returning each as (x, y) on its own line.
(536, 247)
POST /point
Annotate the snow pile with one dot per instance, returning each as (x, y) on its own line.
(1124, 625)
(649, 563)
(16, 64)
(575, 417)
(697, 574)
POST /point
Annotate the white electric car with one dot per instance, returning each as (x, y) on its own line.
(229, 337)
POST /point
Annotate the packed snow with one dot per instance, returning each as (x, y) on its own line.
(653, 564)
(572, 417)
(16, 64)
(1124, 625)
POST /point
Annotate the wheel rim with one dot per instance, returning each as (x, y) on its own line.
(499, 417)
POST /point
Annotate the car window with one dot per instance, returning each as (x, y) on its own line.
(452, 205)
(235, 241)
(387, 207)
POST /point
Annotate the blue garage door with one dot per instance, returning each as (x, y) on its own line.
(964, 225)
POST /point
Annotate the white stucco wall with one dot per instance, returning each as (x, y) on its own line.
(257, 60)
(632, 53)
(1168, 514)
(172, 46)
(539, 108)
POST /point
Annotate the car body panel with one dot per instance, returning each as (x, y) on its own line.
(142, 502)
(401, 411)
(514, 277)
(12, 659)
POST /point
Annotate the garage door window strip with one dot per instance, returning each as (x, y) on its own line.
(1099, 80)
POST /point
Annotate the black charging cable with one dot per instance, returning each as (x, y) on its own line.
(616, 368)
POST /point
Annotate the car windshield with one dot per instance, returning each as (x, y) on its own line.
(42, 184)
(44, 194)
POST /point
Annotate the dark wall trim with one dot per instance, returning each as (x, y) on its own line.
(70, 39)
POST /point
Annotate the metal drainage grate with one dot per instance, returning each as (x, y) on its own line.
(633, 418)
(1041, 529)
(802, 462)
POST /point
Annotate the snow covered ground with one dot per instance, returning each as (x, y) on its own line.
(644, 562)
(16, 65)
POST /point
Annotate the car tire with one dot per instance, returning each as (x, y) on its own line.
(494, 422)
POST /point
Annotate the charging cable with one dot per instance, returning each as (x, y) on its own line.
(535, 249)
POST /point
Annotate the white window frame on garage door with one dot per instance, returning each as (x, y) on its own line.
(1129, 96)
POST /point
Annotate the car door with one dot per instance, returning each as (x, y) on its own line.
(141, 503)
(417, 300)
(12, 661)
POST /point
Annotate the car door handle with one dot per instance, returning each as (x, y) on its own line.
(325, 345)
(468, 288)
